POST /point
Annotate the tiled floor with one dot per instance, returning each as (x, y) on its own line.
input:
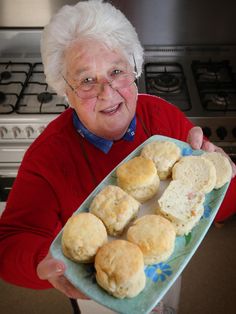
(208, 282)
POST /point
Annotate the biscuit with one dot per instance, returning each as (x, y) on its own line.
(184, 227)
(139, 178)
(164, 154)
(82, 235)
(120, 269)
(223, 168)
(155, 235)
(115, 208)
(182, 205)
(196, 171)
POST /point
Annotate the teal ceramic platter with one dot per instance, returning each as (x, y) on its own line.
(159, 277)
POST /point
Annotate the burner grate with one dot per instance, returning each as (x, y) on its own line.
(13, 76)
(216, 85)
(23, 90)
(167, 80)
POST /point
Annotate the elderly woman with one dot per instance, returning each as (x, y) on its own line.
(92, 56)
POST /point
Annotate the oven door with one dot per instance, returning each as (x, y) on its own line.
(7, 178)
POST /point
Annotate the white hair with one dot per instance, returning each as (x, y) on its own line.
(87, 19)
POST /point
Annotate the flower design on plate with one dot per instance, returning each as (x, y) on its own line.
(207, 211)
(187, 151)
(158, 272)
(90, 270)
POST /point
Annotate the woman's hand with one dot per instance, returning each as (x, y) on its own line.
(53, 270)
(196, 140)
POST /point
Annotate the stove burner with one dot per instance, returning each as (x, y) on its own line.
(2, 97)
(45, 97)
(221, 99)
(166, 82)
(209, 74)
(5, 75)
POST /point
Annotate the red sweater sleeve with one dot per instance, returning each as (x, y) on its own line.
(28, 226)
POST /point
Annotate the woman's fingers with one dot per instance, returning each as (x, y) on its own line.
(50, 267)
(195, 137)
(53, 270)
(63, 285)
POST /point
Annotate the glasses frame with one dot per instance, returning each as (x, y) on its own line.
(108, 82)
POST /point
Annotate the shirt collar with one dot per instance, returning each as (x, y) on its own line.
(99, 142)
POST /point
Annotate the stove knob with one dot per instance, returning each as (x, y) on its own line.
(3, 131)
(234, 132)
(206, 131)
(41, 129)
(221, 132)
(29, 131)
(16, 131)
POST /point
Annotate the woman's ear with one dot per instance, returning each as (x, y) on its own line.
(67, 100)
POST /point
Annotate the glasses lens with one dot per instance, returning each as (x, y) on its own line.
(94, 89)
(87, 93)
(123, 81)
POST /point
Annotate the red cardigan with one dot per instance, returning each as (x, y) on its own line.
(54, 179)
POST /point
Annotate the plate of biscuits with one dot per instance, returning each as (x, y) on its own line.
(132, 237)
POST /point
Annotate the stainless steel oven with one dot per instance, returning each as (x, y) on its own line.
(190, 60)
(201, 81)
(27, 104)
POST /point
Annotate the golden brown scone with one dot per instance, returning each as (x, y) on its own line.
(120, 269)
(82, 236)
(139, 178)
(115, 208)
(223, 167)
(164, 154)
(196, 171)
(155, 235)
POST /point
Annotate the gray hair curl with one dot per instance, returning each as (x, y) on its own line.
(87, 19)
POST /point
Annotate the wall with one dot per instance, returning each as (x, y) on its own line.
(158, 22)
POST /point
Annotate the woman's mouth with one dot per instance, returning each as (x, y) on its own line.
(111, 110)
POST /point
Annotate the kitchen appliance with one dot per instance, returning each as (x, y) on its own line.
(190, 60)
(201, 81)
(27, 103)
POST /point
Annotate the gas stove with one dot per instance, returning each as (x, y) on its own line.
(201, 81)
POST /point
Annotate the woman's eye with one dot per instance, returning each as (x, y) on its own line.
(116, 72)
(87, 80)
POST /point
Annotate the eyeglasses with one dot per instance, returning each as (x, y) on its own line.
(86, 90)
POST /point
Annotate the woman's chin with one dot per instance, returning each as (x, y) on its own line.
(115, 135)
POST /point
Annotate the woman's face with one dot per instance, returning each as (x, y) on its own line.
(109, 114)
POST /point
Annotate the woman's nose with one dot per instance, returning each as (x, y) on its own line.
(106, 90)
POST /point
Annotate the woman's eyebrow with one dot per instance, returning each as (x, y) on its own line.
(80, 71)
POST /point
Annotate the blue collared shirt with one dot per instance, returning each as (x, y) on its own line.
(99, 142)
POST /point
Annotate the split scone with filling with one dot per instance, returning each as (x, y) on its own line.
(182, 205)
(115, 208)
(139, 178)
(155, 236)
(196, 171)
(120, 269)
(164, 154)
(82, 236)
(223, 167)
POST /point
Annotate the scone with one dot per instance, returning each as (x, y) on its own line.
(82, 236)
(223, 167)
(155, 235)
(139, 178)
(120, 269)
(164, 154)
(196, 171)
(115, 208)
(182, 205)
